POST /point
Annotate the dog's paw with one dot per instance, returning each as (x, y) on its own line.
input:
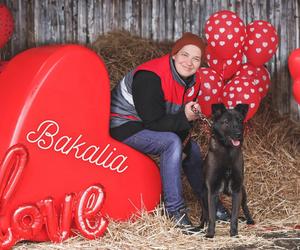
(209, 235)
(233, 233)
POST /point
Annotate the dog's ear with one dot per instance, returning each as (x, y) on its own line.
(242, 108)
(218, 109)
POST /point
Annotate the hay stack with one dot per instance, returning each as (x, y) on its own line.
(122, 52)
(272, 174)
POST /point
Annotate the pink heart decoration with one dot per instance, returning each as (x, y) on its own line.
(56, 102)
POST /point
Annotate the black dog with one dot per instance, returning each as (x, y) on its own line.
(224, 167)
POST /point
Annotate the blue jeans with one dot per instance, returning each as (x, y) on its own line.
(169, 147)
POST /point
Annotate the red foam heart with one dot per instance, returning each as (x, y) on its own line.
(67, 89)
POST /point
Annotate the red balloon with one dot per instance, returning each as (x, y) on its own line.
(296, 90)
(11, 170)
(294, 63)
(260, 74)
(27, 222)
(226, 68)
(261, 42)
(58, 228)
(7, 241)
(225, 32)
(210, 89)
(89, 220)
(6, 25)
(241, 90)
(60, 113)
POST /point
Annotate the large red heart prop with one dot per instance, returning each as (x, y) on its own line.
(56, 102)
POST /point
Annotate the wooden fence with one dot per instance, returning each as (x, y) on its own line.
(40, 22)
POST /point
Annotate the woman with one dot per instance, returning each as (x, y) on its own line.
(152, 110)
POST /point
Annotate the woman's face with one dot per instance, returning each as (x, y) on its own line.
(187, 60)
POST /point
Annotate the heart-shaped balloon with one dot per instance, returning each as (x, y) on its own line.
(6, 25)
(56, 102)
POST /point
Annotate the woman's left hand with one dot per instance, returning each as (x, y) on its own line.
(192, 110)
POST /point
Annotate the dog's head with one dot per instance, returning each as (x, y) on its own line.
(228, 124)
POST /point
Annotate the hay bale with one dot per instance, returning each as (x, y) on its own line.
(122, 52)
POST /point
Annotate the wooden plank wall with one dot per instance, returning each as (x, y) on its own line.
(39, 22)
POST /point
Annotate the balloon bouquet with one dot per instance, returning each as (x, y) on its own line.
(294, 67)
(6, 29)
(230, 78)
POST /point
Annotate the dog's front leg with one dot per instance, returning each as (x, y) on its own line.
(204, 208)
(212, 201)
(236, 203)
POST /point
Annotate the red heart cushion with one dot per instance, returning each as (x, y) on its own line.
(55, 100)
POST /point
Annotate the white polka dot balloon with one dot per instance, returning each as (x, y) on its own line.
(260, 75)
(225, 32)
(261, 42)
(241, 90)
(226, 68)
(210, 89)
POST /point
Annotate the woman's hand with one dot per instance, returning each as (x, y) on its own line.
(192, 110)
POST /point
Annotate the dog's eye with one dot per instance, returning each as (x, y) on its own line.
(225, 122)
